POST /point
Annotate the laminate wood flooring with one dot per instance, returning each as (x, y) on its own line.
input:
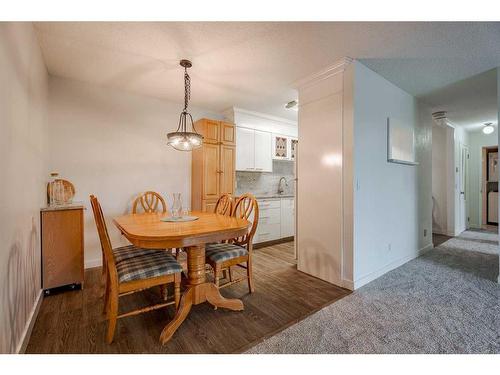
(72, 322)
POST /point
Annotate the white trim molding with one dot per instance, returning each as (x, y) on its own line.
(229, 113)
(389, 267)
(338, 66)
(25, 337)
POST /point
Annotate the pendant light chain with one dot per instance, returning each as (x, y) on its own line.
(187, 89)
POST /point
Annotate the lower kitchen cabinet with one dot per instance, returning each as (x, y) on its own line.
(276, 219)
(287, 217)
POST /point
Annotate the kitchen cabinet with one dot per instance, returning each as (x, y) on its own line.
(213, 164)
(245, 149)
(284, 147)
(276, 219)
(293, 148)
(263, 159)
(281, 147)
(253, 150)
(287, 217)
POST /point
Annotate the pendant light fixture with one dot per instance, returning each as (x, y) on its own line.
(182, 139)
(488, 128)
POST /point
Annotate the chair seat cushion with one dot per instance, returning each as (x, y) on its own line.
(153, 264)
(220, 252)
(130, 251)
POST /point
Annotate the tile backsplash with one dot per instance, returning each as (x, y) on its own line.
(266, 183)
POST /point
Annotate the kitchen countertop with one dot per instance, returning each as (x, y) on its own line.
(275, 196)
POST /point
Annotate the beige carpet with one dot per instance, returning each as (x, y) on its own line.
(446, 301)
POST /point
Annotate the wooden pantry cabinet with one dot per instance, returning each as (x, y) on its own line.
(213, 164)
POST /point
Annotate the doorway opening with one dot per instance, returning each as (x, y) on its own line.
(489, 185)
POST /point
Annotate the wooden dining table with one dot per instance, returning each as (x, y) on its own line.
(148, 231)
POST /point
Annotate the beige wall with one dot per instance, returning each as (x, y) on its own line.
(113, 144)
(23, 152)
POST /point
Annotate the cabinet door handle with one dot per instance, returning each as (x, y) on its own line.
(264, 234)
(259, 169)
(265, 217)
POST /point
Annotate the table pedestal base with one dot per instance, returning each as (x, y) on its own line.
(198, 291)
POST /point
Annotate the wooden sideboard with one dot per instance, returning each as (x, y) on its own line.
(62, 246)
(213, 164)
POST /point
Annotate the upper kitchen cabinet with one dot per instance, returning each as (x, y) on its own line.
(284, 147)
(293, 148)
(216, 132)
(253, 150)
(245, 149)
(281, 147)
(263, 158)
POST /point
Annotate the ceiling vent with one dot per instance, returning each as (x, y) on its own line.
(440, 118)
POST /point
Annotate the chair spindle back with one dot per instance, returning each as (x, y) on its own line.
(149, 202)
(246, 207)
(224, 205)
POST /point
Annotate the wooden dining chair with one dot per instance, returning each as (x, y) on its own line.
(224, 205)
(238, 251)
(150, 200)
(130, 269)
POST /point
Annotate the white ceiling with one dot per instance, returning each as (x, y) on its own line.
(254, 65)
(469, 103)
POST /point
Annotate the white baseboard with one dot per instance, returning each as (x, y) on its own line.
(389, 267)
(25, 337)
(425, 249)
(92, 263)
(444, 233)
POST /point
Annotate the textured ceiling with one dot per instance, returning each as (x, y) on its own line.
(469, 103)
(254, 65)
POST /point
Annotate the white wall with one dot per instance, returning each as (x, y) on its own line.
(23, 154)
(477, 140)
(392, 202)
(113, 144)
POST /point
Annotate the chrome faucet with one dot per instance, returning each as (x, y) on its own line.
(280, 186)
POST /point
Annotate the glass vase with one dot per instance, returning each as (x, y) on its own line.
(177, 205)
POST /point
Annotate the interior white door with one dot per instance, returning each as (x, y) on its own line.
(462, 170)
(245, 149)
(263, 151)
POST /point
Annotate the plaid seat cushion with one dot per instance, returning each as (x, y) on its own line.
(154, 264)
(130, 251)
(220, 252)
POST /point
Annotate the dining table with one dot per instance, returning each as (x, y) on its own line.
(147, 230)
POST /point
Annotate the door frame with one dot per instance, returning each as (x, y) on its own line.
(463, 190)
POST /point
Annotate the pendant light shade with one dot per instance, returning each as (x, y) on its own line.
(182, 139)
